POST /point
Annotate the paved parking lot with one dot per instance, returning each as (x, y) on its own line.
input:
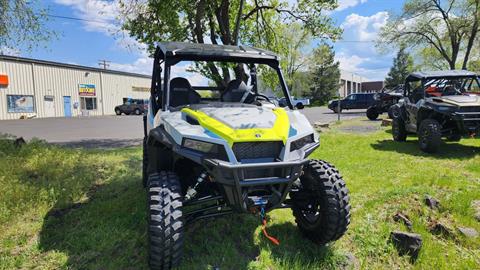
(115, 131)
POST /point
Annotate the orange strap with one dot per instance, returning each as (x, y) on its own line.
(271, 238)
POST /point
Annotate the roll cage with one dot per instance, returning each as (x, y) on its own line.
(437, 77)
(169, 54)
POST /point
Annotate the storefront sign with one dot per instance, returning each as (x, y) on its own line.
(86, 90)
(140, 89)
(3, 80)
(20, 104)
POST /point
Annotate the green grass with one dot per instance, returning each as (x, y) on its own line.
(63, 208)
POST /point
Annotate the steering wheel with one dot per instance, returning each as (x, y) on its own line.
(264, 97)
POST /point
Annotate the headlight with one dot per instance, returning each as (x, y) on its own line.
(297, 144)
(201, 146)
(444, 108)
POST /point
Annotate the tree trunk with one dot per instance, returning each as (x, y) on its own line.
(473, 34)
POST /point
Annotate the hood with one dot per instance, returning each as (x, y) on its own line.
(242, 124)
(458, 100)
(242, 117)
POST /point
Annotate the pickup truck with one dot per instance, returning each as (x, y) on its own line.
(299, 103)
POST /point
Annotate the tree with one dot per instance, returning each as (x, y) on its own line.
(402, 66)
(325, 74)
(215, 21)
(293, 49)
(449, 27)
(22, 23)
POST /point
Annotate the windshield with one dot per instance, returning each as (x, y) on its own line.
(207, 82)
(452, 87)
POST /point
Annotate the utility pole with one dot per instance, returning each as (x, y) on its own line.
(104, 63)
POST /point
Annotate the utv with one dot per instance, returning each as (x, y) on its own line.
(384, 100)
(439, 104)
(230, 151)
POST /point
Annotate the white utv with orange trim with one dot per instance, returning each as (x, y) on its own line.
(230, 152)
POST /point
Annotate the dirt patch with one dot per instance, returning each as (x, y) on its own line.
(101, 143)
(362, 127)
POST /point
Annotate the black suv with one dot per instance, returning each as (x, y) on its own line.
(132, 106)
(439, 104)
(353, 101)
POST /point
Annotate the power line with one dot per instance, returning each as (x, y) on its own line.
(73, 18)
(97, 21)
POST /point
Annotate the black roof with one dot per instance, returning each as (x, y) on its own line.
(182, 51)
(72, 66)
(440, 74)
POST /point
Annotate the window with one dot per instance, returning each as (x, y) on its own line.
(88, 103)
(352, 97)
(20, 104)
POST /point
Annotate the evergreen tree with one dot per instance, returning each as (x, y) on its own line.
(402, 66)
(325, 74)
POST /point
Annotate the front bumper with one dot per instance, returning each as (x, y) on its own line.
(242, 184)
(468, 123)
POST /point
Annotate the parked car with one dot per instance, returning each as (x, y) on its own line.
(298, 103)
(384, 101)
(132, 106)
(353, 101)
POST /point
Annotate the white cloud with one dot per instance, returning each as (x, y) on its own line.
(344, 4)
(364, 28)
(9, 51)
(359, 54)
(142, 65)
(361, 66)
(102, 16)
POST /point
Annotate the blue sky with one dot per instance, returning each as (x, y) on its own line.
(86, 42)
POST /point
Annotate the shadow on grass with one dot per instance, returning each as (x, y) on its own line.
(228, 243)
(410, 147)
(296, 251)
(106, 231)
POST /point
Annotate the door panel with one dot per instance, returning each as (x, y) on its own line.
(49, 106)
(67, 106)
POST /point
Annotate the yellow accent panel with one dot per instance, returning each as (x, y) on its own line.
(279, 131)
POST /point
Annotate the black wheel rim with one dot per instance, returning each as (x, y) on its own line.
(423, 138)
(395, 113)
(312, 213)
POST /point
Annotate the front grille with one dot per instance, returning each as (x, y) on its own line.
(470, 109)
(470, 113)
(254, 150)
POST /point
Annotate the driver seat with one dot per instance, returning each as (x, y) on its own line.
(182, 93)
(237, 91)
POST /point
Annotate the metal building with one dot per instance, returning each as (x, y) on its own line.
(350, 83)
(36, 88)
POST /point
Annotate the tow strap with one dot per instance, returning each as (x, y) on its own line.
(264, 229)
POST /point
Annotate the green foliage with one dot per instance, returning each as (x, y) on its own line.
(448, 28)
(474, 66)
(262, 23)
(22, 23)
(292, 46)
(325, 75)
(402, 66)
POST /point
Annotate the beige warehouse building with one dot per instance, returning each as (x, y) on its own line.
(36, 88)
